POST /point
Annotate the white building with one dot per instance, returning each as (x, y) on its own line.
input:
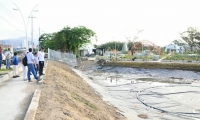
(174, 48)
(86, 49)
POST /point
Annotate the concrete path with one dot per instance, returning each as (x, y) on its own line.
(15, 97)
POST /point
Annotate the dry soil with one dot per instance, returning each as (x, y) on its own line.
(66, 96)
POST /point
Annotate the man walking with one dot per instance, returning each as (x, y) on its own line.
(1, 55)
(31, 63)
(8, 58)
(41, 61)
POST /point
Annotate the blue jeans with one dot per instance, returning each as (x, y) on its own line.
(31, 69)
(36, 68)
(0, 63)
(8, 64)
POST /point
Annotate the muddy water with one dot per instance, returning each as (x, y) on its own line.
(121, 86)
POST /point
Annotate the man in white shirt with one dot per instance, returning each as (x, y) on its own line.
(41, 61)
(8, 58)
(30, 65)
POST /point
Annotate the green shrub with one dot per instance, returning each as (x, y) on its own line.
(180, 66)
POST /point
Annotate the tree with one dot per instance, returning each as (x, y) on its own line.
(178, 42)
(46, 41)
(67, 39)
(111, 45)
(191, 36)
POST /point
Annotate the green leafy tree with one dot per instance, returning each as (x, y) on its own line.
(130, 44)
(46, 41)
(111, 45)
(67, 39)
(178, 42)
(191, 36)
(77, 37)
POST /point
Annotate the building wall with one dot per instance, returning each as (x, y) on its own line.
(82, 53)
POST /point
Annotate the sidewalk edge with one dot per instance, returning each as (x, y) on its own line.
(31, 112)
(9, 75)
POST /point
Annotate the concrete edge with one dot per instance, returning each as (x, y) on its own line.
(42, 77)
(32, 109)
(31, 112)
(10, 74)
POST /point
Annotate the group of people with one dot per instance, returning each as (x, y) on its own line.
(34, 62)
(8, 57)
(31, 63)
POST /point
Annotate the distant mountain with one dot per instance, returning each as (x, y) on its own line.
(19, 42)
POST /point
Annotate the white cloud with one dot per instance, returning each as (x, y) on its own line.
(161, 20)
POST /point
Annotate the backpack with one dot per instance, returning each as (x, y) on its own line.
(8, 56)
(24, 61)
(15, 62)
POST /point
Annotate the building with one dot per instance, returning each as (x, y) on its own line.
(86, 50)
(174, 48)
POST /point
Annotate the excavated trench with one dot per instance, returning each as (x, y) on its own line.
(147, 93)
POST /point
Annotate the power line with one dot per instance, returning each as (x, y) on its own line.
(8, 13)
(9, 23)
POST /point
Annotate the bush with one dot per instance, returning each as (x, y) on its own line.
(179, 66)
(78, 56)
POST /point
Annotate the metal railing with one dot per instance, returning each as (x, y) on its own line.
(68, 58)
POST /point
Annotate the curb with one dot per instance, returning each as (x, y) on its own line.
(32, 109)
(31, 112)
(10, 74)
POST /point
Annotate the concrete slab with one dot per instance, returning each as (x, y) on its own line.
(15, 97)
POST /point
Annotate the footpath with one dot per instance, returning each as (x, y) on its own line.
(15, 97)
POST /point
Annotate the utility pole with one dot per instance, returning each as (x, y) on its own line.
(32, 29)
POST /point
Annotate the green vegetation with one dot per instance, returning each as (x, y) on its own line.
(68, 39)
(4, 69)
(188, 57)
(179, 66)
(86, 103)
(91, 105)
(111, 45)
(76, 98)
(191, 37)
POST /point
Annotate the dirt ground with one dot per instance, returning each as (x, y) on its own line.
(66, 96)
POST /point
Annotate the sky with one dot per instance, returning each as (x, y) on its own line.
(160, 20)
